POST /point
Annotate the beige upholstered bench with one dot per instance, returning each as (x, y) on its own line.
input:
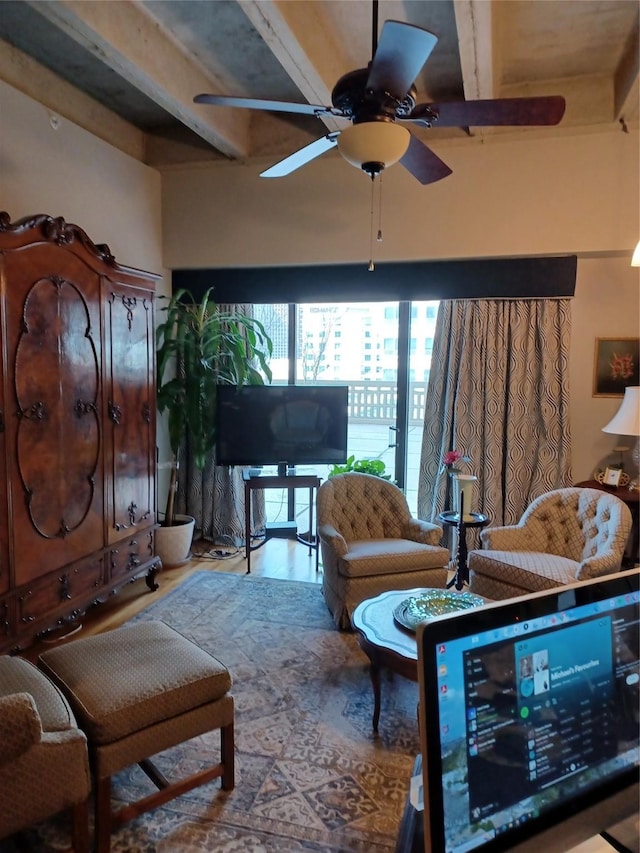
(137, 691)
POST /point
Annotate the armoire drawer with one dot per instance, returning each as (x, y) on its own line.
(57, 591)
(128, 554)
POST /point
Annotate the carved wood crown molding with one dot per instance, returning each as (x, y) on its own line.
(57, 230)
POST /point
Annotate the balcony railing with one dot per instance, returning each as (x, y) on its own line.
(376, 402)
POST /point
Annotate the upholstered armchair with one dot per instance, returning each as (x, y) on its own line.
(564, 536)
(370, 543)
(44, 764)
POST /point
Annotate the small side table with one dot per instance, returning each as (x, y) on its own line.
(453, 520)
(290, 481)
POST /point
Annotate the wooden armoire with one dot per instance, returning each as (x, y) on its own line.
(77, 427)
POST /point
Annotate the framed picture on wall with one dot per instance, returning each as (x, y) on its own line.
(616, 365)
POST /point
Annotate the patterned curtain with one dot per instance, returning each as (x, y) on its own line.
(214, 496)
(499, 393)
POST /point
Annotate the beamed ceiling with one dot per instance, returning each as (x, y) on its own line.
(128, 70)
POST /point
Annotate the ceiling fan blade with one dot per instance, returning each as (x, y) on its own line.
(302, 156)
(402, 51)
(423, 164)
(546, 110)
(274, 106)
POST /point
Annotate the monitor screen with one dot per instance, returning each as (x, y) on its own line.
(282, 424)
(530, 715)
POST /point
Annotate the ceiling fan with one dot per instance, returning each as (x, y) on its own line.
(381, 99)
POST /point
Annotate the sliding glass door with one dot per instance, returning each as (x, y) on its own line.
(382, 351)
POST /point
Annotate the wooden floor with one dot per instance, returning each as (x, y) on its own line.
(286, 559)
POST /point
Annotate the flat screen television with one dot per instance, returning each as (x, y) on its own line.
(529, 719)
(284, 425)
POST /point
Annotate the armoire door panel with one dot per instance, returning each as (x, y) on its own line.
(56, 379)
(54, 414)
(130, 391)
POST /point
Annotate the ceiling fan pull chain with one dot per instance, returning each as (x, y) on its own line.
(379, 235)
(371, 266)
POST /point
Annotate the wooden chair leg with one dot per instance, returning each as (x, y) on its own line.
(227, 756)
(80, 827)
(103, 814)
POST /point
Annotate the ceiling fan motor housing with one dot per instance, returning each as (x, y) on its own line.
(352, 97)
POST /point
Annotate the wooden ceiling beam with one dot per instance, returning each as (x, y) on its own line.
(625, 80)
(477, 44)
(301, 39)
(130, 42)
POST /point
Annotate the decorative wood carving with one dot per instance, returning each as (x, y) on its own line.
(77, 427)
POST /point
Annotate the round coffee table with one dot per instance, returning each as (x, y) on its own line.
(384, 642)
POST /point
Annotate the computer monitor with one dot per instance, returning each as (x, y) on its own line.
(529, 718)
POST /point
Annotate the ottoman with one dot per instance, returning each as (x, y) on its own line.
(137, 691)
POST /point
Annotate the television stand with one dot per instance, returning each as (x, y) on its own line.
(286, 481)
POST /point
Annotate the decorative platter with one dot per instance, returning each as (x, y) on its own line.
(435, 602)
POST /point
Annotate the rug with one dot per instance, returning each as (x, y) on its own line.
(310, 774)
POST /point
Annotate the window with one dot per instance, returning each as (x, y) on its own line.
(366, 358)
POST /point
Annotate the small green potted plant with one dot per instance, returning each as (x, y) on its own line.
(198, 347)
(376, 467)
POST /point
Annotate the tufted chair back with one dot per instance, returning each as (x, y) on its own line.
(362, 506)
(579, 524)
(370, 543)
(563, 536)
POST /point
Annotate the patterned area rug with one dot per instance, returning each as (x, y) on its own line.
(310, 775)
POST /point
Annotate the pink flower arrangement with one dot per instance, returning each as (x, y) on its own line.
(451, 457)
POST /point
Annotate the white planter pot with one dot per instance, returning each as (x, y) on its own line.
(173, 544)
(464, 486)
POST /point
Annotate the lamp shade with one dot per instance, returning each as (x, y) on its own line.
(374, 145)
(635, 258)
(627, 419)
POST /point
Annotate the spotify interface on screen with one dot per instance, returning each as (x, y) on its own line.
(532, 713)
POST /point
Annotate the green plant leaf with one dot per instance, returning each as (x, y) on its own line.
(199, 346)
(376, 467)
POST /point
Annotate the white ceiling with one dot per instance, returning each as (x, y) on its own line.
(144, 60)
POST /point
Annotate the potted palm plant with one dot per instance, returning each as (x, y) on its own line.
(198, 347)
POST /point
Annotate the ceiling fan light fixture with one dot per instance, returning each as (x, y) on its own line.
(374, 145)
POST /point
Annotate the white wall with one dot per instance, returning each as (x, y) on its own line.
(607, 305)
(70, 173)
(573, 194)
(552, 195)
